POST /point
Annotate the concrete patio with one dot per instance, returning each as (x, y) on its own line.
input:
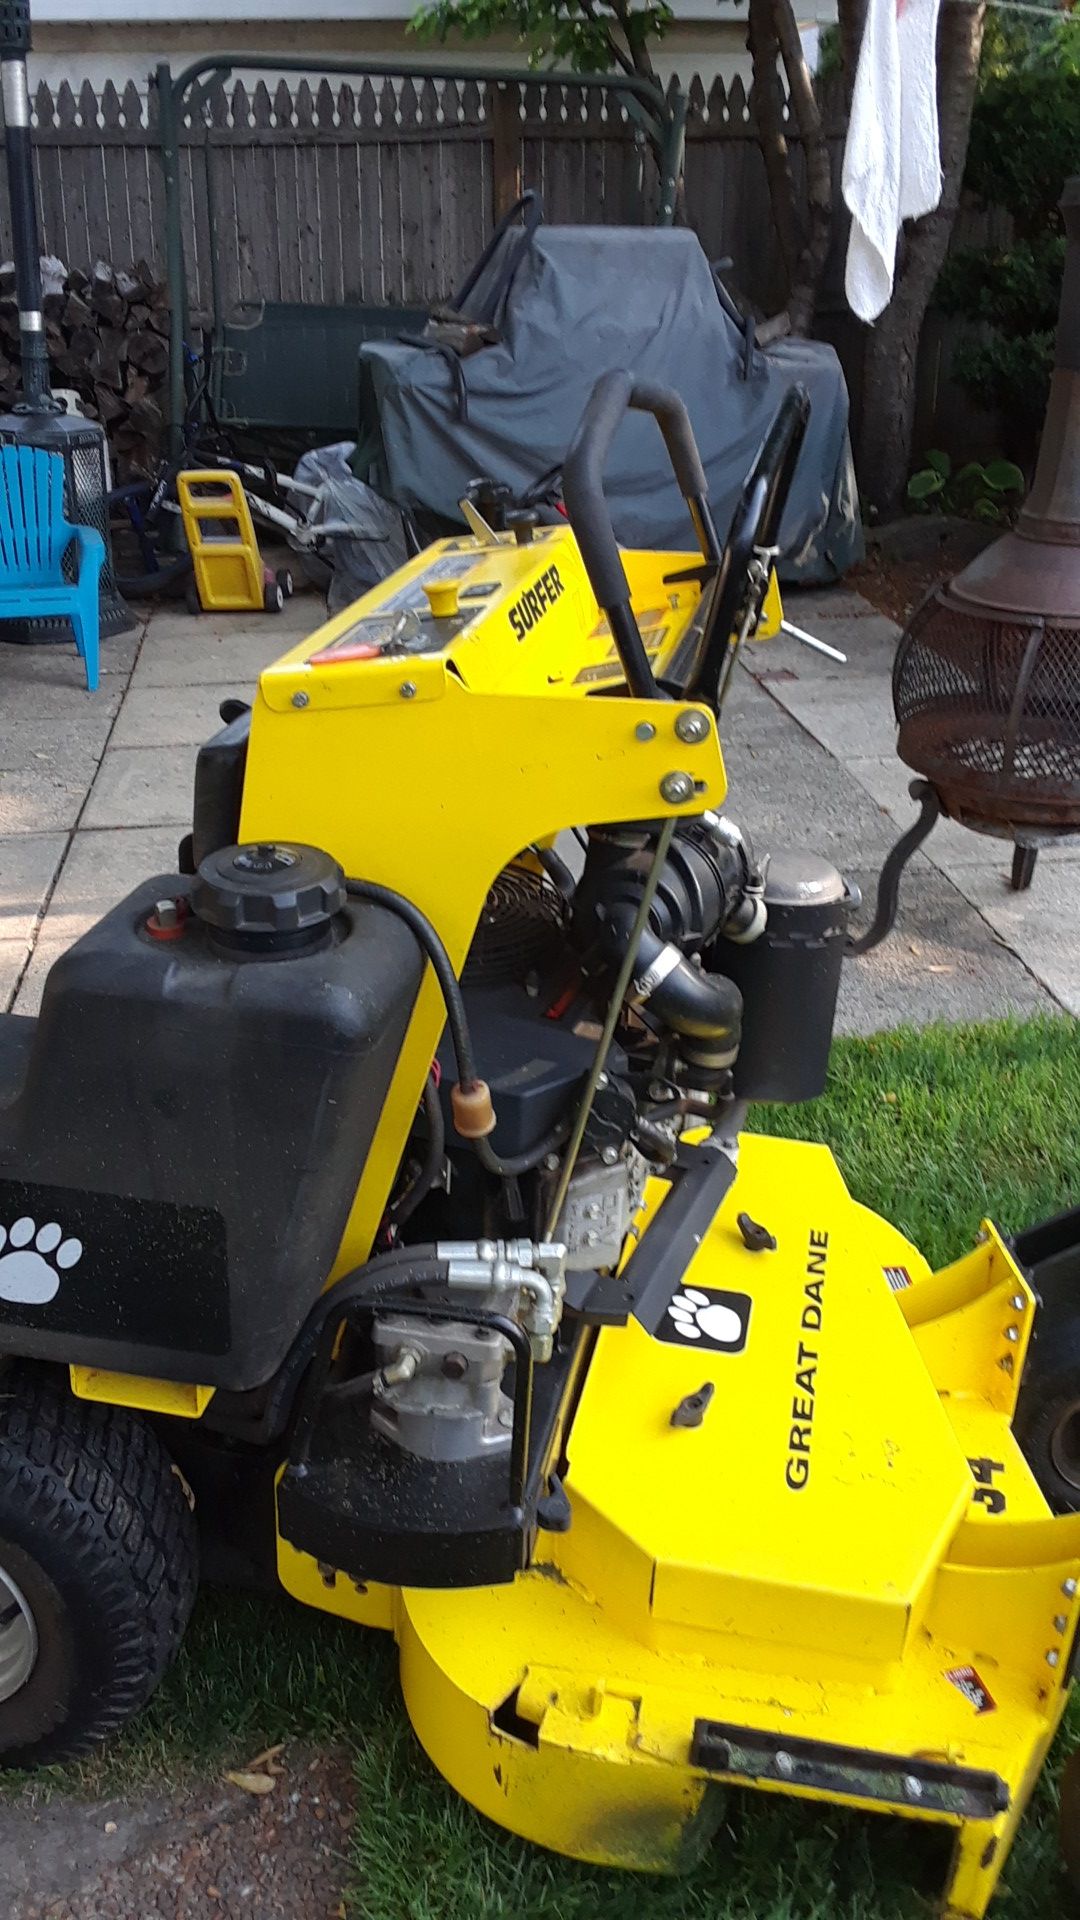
(95, 791)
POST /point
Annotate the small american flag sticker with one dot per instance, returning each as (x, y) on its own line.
(973, 1688)
(898, 1278)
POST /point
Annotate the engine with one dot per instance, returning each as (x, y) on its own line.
(731, 996)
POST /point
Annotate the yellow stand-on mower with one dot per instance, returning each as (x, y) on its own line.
(377, 1179)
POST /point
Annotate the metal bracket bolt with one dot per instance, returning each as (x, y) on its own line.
(692, 728)
(644, 731)
(676, 788)
(301, 699)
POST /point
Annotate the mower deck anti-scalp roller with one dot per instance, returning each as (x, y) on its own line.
(380, 1182)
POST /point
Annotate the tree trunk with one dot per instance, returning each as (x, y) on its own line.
(887, 416)
(773, 37)
(768, 102)
(851, 17)
(819, 193)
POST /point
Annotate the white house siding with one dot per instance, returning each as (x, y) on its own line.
(103, 40)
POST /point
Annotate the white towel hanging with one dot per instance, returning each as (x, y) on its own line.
(892, 159)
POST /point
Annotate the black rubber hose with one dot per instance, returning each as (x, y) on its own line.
(702, 1006)
(557, 871)
(685, 1107)
(654, 1142)
(388, 1273)
(431, 1166)
(522, 1162)
(457, 1019)
(441, 966)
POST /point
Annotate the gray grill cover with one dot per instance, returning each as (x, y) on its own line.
(580, 300)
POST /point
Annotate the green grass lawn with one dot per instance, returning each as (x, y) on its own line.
(935, 1129)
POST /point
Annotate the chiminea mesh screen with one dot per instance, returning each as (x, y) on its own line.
(989, 711)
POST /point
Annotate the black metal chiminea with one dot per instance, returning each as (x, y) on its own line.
(986, 683)
(39, 420)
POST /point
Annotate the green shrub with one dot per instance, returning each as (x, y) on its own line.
(1025, 143)
(976, 492)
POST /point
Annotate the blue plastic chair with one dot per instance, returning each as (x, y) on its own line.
(34, 537)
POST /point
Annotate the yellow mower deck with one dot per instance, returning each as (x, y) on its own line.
(843, 1584)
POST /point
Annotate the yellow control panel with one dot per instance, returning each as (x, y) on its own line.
(508, 616)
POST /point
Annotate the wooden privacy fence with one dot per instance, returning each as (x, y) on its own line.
(377, 192)
(383, 193)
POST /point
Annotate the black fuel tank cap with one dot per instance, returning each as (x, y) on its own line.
(269, 896)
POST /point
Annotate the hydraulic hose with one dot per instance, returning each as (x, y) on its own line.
(387, 1275)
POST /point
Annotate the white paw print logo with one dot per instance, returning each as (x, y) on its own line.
(29, 1273)
(719, 1320)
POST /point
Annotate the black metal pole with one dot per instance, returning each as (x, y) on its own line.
(14, 47)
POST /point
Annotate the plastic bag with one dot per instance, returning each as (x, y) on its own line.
(372, 542)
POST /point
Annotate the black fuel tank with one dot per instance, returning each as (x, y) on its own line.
(182, 1132)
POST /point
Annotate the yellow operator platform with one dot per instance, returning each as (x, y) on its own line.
(478, 1314)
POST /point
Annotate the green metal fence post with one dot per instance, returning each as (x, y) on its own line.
(673, 154)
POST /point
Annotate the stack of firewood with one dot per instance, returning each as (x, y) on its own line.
(107, 337)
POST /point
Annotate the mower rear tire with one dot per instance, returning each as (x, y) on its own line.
(1070, 1817)
(1047, 1418)
(98, 1568)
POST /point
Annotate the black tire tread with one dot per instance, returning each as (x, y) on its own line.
(97, 1479)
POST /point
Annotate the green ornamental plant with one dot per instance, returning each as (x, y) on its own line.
(975, 492)
(1025, 142)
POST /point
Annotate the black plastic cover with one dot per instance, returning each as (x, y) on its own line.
(219, 787)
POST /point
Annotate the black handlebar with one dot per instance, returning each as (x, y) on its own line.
(755, 525)
(615, 394)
